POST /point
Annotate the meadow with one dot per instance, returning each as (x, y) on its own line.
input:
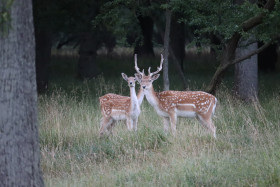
(245, 153)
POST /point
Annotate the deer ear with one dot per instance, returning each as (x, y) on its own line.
(124, 76)
(138, 76)
(155, 77)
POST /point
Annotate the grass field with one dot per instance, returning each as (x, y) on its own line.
(245, 153)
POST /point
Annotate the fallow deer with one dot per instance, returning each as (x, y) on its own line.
(116, 107)
(173, 104)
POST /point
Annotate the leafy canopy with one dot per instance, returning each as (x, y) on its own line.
(223, 18)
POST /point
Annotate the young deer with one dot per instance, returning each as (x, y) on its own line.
(116, 107)
(173, 104)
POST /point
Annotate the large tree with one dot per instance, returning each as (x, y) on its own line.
(246, 72)
(144, 44)
(19, 143)
(44, 13)
(245, 28)
(230, 22)
(138, 21)
(166, 51)
(68, 22)
(132, 23)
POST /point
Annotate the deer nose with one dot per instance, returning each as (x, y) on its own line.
(130, 83)
(144, 87)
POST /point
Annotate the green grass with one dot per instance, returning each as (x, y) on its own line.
(245, 153)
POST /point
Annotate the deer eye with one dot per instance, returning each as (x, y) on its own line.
(150, 80)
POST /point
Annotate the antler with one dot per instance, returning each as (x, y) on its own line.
(158, 68)
(136, 66)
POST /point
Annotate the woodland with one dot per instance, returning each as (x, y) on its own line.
(58, 58)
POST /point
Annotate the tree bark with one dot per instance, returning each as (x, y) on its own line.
(166, 49)
(177, 47)
(177, 40)
(177, 62)
(178, 68)
(246, 73)
(146, 49)
(19, 143)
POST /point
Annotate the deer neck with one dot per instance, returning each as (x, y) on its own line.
(140, 95)
(152, 98)
(133, 96)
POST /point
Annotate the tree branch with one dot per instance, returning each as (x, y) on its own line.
(166, 47)
(66, 41)
(227, 57)
(254, 52)
(254, 21)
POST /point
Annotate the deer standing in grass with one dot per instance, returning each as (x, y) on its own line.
(116, 107)
(173, 104)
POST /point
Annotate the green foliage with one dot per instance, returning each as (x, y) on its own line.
(5, 17)
(121, 18)
(270, 26)
(224, 18)
(68, 20)
(118, 18)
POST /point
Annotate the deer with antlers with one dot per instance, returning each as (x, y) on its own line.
(173, 104)
(117, 107)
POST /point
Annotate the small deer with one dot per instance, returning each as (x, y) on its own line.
(173, 104)
(116, 107)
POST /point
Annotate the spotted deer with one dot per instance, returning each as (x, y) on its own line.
(173, 104)
(117, 107)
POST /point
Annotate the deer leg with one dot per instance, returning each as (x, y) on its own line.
(173, 120)
(135, 121)
(166, 124)
(208, 124)
(129, 124)
(211, 127)
(110, 127)
(101, 130)
(101, 121)
(105, 122)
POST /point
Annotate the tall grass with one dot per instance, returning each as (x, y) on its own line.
(245, 153)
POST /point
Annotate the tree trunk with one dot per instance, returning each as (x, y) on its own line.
(147, 26)
(144, 47)
(229, 51)
(166, 48)
(216, 79)
(19, 143)
(246, 73)
(177, 47)
(177, 40)
(226, 62)
(178, 68)
(87, 67)
(226, 58)
(43, 40)
(176, 61)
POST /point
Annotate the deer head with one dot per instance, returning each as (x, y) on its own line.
(147, 81)
(129, 80)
